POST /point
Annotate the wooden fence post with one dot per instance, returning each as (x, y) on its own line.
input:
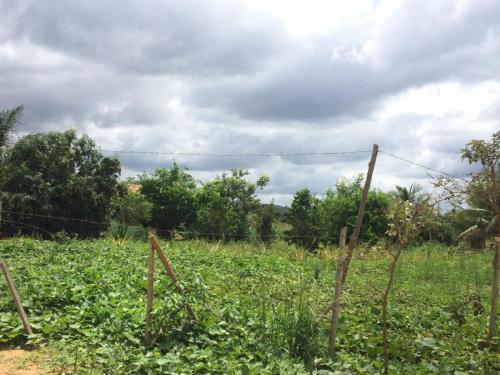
(149, 295)
(492, 325)
(337, 293)
(361, 212)
(170, 272)
(17, 299)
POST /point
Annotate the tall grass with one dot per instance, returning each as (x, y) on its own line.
(292, 327)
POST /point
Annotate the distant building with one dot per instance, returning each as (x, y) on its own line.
(134, 188)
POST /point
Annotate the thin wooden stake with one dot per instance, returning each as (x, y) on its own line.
(337, 294)
(149, 294)
(170, 272)
(492, 325)
(361, 212)
(17, 299)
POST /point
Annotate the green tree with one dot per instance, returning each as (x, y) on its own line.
(9, 119)
(482, 191)
(340, 206)
(266, 219)
(224, 205)
(476, 200)
(172, 195)
(58, 174)
(440, 229)
(129, 208)
(406, 220)
(303, 216)
(414, 194)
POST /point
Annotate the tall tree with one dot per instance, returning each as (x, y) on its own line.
(60, 175)
(266, 219)
(172, 195)
(340, 206)
(303, 216)
(414, 194)
(483, 190)
(9, 119)
(129, 208)
(224, 205)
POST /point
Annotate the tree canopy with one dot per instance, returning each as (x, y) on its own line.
(172, 195)
(223, 205)
(58, 174)
(8, 122)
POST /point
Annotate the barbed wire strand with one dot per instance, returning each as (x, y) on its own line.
(26, 225)
(293, 154)
(234, 155)
(281, 155)
(173, 232)
(421, 165)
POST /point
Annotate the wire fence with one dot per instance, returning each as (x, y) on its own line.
(173, 232)
(195, 234)
(245, 155)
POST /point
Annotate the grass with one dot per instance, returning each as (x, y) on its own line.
(259, 309)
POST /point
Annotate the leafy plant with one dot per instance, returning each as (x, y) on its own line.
(258, 311)
(129, 208)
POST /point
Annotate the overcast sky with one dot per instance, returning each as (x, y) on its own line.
(419, 77)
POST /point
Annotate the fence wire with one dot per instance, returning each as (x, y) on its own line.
(215, 234)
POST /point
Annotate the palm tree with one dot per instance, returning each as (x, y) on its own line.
(419, 198)
(8, 122)
(415, 194)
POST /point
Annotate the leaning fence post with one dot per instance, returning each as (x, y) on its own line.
(361, 212)
(337, 293)
(170, 272)
(149, 295)
(16, 298)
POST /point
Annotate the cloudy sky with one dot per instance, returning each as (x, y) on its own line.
(420, 78)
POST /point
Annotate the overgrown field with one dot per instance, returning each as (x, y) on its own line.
(259, 310)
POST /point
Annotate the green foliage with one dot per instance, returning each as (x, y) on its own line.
(129, 208)
(172, 195)
(303, 216)
(481, 192)
(266, 219)
(320, 220)
(8, 122)
(464, 219)
(259, 313)
(407, 220)
(224, 204)
(414, 194)
(340, 208)
(442, 231)
(292, 327)
(58, 174)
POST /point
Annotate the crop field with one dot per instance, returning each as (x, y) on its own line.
(260, 310)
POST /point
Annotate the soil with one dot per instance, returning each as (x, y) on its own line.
(18, 362)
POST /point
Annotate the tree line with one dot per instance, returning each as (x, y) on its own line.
(60, 182)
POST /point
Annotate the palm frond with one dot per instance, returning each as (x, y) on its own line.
(8, 122)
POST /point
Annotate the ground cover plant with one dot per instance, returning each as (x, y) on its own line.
(259, 309)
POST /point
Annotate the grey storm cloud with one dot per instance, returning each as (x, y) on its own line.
(421, 43)
(156, 37)
(216, 77)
